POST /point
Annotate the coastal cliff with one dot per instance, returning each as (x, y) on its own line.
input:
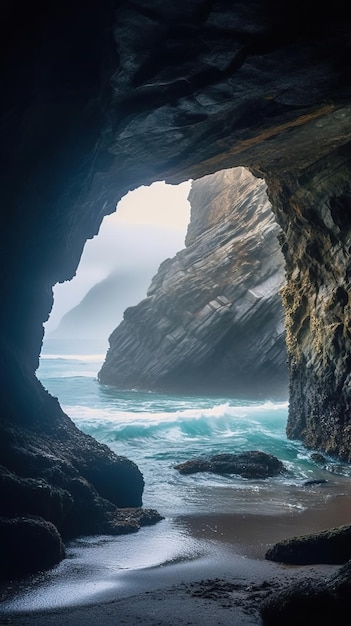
(102, 97)
(213, 320)
(313, 209)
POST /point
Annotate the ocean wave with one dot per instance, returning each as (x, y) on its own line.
(150, 412)
(224, 422)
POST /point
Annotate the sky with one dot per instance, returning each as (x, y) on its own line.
(149, 226)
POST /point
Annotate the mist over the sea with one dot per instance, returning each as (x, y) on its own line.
(149, 226)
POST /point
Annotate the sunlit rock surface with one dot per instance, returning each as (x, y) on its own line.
(100, 97)
(213, 320)
(313, 208)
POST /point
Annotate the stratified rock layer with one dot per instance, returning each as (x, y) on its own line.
(213, 319)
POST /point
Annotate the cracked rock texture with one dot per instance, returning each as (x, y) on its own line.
(213, 320)
(100, 97)
(313, 209)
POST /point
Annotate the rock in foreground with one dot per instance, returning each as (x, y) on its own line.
(329, 546)
(314, 603)
(28, 545)
(252, 464)
(54, 488)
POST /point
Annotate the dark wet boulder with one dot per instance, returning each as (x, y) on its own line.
(314, 602)
(74, 483)
(340, 582)
(306, 603)
(125, 521)
(329, 546)
(28, 545)
(21, 496)
(313, 482)
(251, 464)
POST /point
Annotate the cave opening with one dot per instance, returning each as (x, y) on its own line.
(230, 211)
(161, 428)
(162, 431)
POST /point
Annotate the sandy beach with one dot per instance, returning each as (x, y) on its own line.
(204, 593)
(188, 570)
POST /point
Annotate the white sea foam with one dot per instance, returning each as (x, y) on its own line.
(113, 414)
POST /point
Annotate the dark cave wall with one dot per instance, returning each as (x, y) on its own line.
(52, 112)
(314, 210)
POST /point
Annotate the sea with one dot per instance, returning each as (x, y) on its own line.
(157, 431)
(204, 514)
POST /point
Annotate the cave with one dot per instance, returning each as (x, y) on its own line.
(100, 98)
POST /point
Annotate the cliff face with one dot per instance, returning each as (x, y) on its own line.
(101, 97)
(213, 319)
(315, 214)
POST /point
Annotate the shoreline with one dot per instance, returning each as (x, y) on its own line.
(204, 591)
(190, 569)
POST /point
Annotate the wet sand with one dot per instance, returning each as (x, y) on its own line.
(252, 534)
(204, 593)
(188, 570)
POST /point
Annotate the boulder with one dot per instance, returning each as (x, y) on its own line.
(252, 464)
(308, 603)
(71, 480)
(318, 602)
(329, 546)
(28, 545)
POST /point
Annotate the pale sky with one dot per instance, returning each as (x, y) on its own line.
(149, 226)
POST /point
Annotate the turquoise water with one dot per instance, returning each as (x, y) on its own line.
(158, 431)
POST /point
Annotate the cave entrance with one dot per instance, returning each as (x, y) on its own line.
(158, 429)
